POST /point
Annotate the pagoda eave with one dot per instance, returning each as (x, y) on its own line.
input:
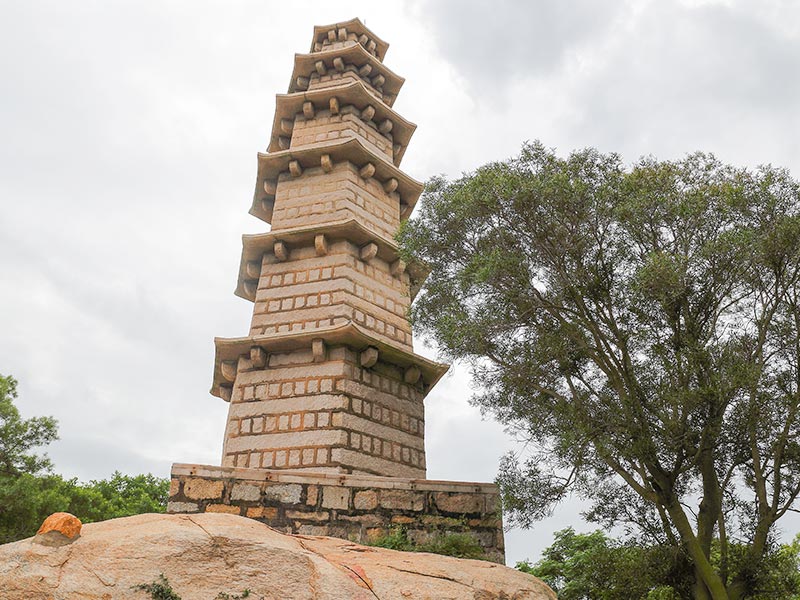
(352, 150)
(354, 94)
(254, 246)
(228, 351)
(352, 54)
(352, 26)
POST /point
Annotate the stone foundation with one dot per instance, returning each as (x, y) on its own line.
(360, 508)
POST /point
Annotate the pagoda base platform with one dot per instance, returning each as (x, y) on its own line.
(360, 508)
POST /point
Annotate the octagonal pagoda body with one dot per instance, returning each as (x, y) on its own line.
(327, 379)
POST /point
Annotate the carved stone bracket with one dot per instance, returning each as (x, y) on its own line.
(258, 357)
(318, 349)
(368, 251)
(369, 357)
(281, 251)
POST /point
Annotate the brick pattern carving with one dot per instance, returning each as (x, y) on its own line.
(317, 197)
(285, 415)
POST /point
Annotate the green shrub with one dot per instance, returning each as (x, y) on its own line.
(459, 545)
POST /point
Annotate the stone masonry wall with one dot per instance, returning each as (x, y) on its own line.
(340, 417)
(358, 508)
(325, 127)
(317, 197)
(309, 292)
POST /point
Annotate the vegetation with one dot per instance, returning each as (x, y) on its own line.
(640, 329)
(460, 545)
(589, 566)
(160, 589)
(29, 491)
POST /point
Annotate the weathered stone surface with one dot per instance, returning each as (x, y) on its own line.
(182, 507)
(286, 493)
(113, 556)
(199, 489)
(459, 503)
(245, 491)
(365, 500)
(223, 508)
(335, 497)
(401, 499)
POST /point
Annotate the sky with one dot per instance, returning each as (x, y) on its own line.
(128, 140)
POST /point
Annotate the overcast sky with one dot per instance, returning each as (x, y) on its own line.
(129, 132)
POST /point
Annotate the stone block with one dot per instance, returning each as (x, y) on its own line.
(311, 515)
(365, 500)
(401, 500)
(200, 489)
(262, 512)
(375, 533)
(311, 495)
(285, 493)
(459, 503)
(402, 520)
(335, 497)
(174, 487)
(246, 492)
(366, 520)
(182, 507)
(223, 508)
(306, 529)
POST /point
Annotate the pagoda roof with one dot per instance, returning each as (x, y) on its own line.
(354, 93)
(255, 245)
(272, 164)
(353, 53)
(349, 334)
(352, 26)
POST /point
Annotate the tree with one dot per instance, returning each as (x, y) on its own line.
(29, 491)
(18, 436)
(640, 328)
(592, 566)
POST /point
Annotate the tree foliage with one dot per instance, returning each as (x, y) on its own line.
(592, 566)
(19, 436)
(29, 491)
(640, 328)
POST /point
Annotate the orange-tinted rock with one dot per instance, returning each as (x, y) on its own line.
(58, 529)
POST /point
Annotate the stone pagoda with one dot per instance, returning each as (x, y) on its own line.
(325, 429)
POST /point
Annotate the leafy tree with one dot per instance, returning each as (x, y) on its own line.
(640, 328)
(29, 491)
(589, 566)
(19, 436)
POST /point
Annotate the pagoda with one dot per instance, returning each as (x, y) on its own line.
(327, 384)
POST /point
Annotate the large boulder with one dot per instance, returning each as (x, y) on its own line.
(205, 556)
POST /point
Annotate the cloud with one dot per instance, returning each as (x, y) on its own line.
(681, 78)
(493, 43)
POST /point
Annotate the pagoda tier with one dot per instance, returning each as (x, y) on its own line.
(327, 379)
(351, 99)
(259, 250)
(338, 34)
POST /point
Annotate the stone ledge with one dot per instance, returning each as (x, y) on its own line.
(370, 481)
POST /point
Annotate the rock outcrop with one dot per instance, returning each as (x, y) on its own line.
(206, 556)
